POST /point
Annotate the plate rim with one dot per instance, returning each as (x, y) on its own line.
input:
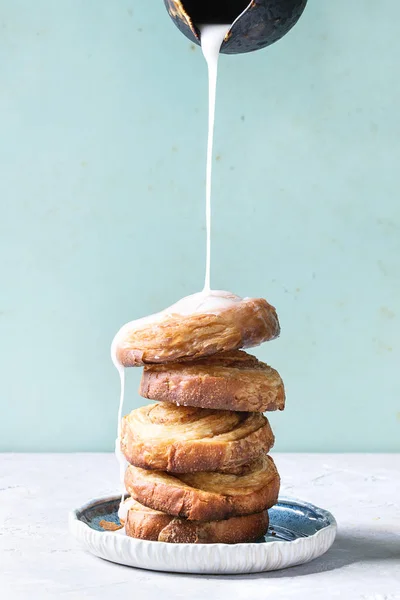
(75, 523)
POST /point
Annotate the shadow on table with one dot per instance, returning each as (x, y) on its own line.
(363, 546)
(348, 549)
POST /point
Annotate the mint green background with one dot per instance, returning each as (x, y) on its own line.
(102, 158)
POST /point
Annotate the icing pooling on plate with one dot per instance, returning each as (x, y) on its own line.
(124, 508)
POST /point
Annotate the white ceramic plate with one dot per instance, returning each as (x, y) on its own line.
(298, 533)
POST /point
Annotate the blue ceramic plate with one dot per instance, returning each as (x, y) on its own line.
(298, 533)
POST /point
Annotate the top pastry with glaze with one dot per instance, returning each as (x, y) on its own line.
(196, 326)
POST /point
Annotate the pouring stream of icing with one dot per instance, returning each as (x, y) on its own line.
(212, 37)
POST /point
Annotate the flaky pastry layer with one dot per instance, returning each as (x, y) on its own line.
(228, 381)
(186, 337)
(207, 496)
(147, 524)
(182, 439)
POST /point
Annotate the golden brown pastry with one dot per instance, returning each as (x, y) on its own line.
(182, 439)
(194, 327)
(148, 524)
(228, 381)
(207, 496)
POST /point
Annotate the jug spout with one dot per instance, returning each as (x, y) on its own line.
(255, 25)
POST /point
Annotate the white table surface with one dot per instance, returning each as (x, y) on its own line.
(40, 560)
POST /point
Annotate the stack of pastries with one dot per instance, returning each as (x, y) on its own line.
(199, 470)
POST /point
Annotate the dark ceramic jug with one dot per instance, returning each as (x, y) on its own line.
(255, 24)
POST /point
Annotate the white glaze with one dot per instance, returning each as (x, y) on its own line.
(203, 302)
(207, 301)
(211, 39)
(118, 453)
(212, 302)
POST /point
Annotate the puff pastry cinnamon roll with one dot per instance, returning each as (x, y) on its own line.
(196, 326)
(182, 440)
(228, 381)
(148, 524)
(207, 496)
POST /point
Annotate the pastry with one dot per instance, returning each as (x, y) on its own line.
(196, 326)
(228, 381)
(180, 439)
(148, 524)
(207, 496)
